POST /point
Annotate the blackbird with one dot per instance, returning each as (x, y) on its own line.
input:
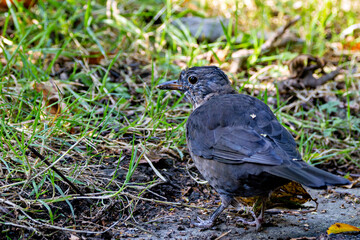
(237, 143)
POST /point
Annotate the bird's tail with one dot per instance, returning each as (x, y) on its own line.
(309, 176)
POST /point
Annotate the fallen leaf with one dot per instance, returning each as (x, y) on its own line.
(304, 62)
(341, 228)
(152, 156)
(27, 3)
(73, 237)
(288, 196)
(51, 96)
(302, 69)
(95, 57)
(292, 193)
(352, 44)
(353, 183)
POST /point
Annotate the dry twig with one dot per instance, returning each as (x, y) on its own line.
(240, 56)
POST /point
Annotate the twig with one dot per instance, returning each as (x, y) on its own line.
(154, 169)
(112, 194)
(241, 55)
(52, 226)
(143, 229)
(263, 70)
(350, 174)
(22, 226)
(152, 165)
(149, 187)
(196, 179)
(130, 138)
(308, 81)
(270, 42)
(223, 235)
(76, 189)
(61, 157)
(139, 198)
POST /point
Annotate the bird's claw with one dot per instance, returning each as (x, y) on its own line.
(203, 223)
(257, 221)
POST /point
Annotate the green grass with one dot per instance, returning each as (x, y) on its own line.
(133, 47)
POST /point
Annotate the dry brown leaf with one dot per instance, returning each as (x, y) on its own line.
(152, 156)
(51, 96)
(288, 196)
(353, 183)
(304, 62)
(341, 228)
(95, 57)
(27, 3)
(293, 193)
(302, 69)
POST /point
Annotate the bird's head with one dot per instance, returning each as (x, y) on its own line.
(200, 83)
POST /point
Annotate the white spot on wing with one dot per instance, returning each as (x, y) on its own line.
(264, 135)
(253, 115)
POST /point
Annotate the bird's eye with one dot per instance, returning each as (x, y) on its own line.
(192, 79)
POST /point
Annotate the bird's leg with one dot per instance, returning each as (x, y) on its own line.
(257, 220)
(225, 202)
(263, 205)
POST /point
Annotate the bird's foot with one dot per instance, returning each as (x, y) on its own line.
(211, 220)
(257, 221)
(203, 223)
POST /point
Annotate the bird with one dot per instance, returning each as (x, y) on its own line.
(238, 144)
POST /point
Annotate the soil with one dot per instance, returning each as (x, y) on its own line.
(333, 207)
(154, 220)
(163, 221)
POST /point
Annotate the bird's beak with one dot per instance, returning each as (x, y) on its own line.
(170, 85)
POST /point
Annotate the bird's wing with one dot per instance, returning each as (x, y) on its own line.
(233, 133)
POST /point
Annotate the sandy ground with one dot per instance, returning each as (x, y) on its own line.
(339, 206)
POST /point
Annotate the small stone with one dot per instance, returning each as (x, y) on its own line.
(181, 228)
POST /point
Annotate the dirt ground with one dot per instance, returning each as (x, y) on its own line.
(334, 207)
(154, 220)
(169, 222)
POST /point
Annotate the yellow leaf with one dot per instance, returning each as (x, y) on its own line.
(341, 227)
